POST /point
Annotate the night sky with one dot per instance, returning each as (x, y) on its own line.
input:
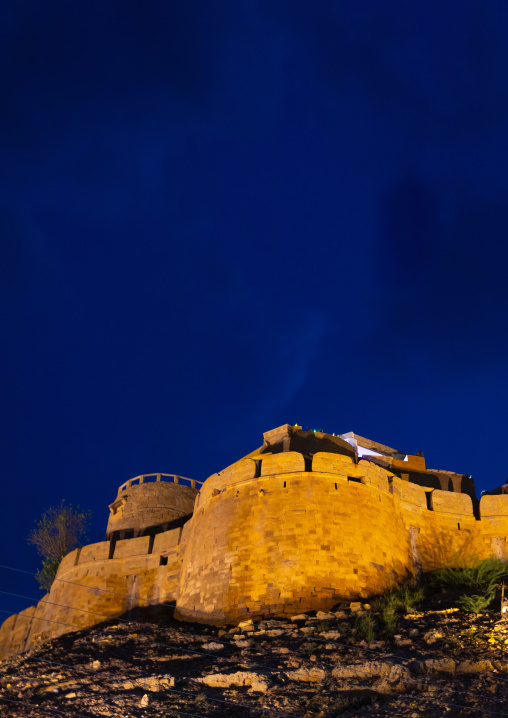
(217, 217)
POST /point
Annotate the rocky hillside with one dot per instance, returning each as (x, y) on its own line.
(439, 662)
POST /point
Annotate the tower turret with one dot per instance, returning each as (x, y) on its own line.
(151, 503)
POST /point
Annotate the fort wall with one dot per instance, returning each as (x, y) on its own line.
(274, 533)
(290, 539)
(150, 501)
(90, 587)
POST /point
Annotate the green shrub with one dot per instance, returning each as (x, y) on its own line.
(58, 532)
(365, 628)
(400, 600)
(475, 604)
(345, 630)
(308, 649)
(482, 575)
(389, 621)
(477, 583)
(410, 595)
(46, 575)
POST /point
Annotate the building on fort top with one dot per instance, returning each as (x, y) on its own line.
(305, 521)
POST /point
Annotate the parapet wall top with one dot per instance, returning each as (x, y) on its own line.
(274, 436)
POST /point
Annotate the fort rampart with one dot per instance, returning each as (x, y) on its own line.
(274, 533)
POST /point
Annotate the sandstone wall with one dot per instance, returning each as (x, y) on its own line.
(290, 539)
(90, 587)
(268, 537)
(141, 506)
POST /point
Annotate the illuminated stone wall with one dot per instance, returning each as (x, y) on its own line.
(291, 540)
(270, 536)
(138, 507)
(90, 587)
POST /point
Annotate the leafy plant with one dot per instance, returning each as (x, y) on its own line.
(46, 575)
(345, 630)
(482, 575)
(410, 595)
(400, 600)
(389, 621)
(365, 628)
(308, 649)
(477, 583)
(475, 604)
(58, 532)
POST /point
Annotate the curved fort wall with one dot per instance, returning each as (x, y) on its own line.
(276, 533)
(94, 583)
(149, 503)
(285, 539)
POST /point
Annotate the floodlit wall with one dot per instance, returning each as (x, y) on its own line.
(141, 506)
(268, 537)
(291, 540)
(90, 587)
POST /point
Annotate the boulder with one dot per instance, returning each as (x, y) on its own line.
(433, 665)
(432, 637)
(257, 681)
(475, 667)
(307, 675)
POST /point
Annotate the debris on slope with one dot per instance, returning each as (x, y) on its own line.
(439, 662)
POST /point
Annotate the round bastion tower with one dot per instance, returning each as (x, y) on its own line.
(310, 519)
(150, 504)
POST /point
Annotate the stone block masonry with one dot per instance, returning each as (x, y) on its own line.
(280, 531)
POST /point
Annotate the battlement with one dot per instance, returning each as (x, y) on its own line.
(151, 503)
(303, 522)
(148, 478)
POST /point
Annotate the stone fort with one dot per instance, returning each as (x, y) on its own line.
(305, 521)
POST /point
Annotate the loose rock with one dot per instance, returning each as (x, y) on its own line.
(308, 675)
(257, 682)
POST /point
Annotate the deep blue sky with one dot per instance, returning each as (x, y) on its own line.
(219, 217)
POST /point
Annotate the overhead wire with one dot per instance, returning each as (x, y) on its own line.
(114, 593)
(148, 686)
(177, 710)
(208, 654)
(33, 706)
(391, 656)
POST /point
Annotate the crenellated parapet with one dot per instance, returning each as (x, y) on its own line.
(151, 503)
(303, 522)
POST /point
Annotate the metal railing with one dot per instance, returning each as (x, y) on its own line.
(174, 478)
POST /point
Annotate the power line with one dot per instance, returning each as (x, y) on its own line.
(178, 648)
(176, 710)
(140, 623)
(114, 593)
(208, 654)
(82, 715)
(103, 615)
(391, 656)
(394, 658)
(147, 685)
(51, 710)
